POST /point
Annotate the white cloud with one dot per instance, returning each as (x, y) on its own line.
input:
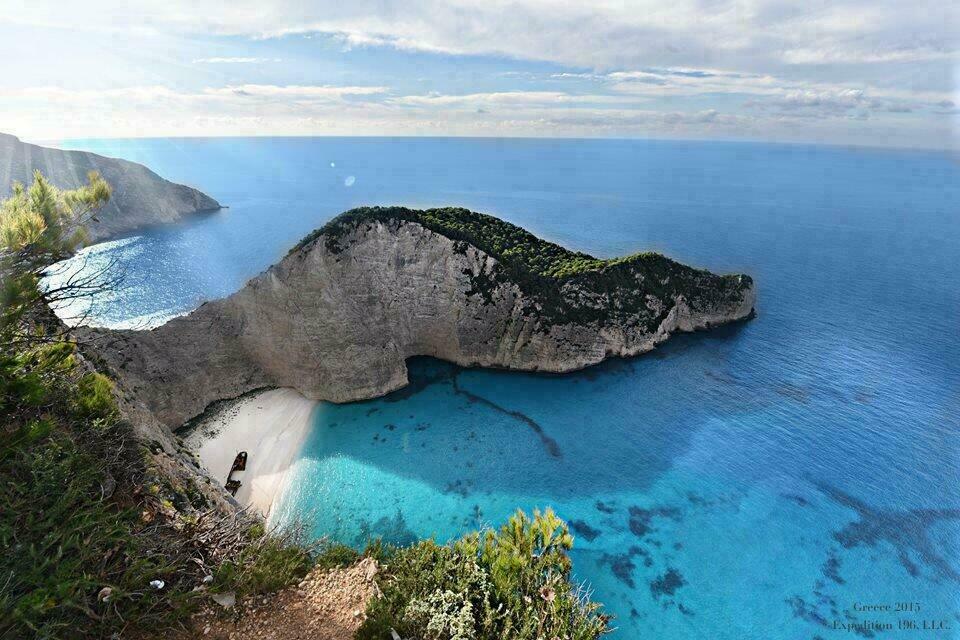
(250, 109)
(352, 39)
(294, 91)
(763, 90)
(327, 110)
(620, 67)
(235, 60)
(606, 34)
(230, 96)
(502, 98)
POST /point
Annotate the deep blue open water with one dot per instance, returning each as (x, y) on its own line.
(757, 481)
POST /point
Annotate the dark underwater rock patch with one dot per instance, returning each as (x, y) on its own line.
(622, 567)
(603, 507)
(460, 487)
(805, 612)
(391, 529)
(792, 391)
(584, 530)
(831, 569)
(825, 599)
(641, 519)
(698, 500)
(667, 584)
(639, 551)
(797, 499)
(906, 531)
(723, 378)
(622, 564)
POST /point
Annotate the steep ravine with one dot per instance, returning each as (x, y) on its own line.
(337, 318)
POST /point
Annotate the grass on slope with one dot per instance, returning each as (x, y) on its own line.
(84, 535)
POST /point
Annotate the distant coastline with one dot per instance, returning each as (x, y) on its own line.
(140, 199)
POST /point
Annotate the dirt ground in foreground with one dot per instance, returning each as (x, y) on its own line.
(326, 605)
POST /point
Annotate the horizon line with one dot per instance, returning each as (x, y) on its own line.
(953, 149)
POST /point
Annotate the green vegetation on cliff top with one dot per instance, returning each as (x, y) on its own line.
(541, 268)
(506, 242)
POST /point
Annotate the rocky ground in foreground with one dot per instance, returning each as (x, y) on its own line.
(328, 604)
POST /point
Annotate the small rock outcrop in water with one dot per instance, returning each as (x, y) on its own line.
(140, 197)
(337, 318)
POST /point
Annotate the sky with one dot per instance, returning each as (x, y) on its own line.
(864, 72)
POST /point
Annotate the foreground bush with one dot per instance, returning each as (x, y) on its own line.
(76, 558)
(88, 546)
(84, 551)
(509, 584)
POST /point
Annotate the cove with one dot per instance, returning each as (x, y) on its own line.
(754, 481)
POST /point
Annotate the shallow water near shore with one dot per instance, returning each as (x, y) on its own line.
(757, 481)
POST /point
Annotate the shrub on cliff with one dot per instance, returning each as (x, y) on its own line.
(76, 559)
(86, 548)
(39, 226)
(509, 584)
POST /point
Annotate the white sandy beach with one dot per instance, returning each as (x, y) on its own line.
(271, 427)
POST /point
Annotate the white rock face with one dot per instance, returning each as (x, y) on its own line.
(339, 325)
(140, 197)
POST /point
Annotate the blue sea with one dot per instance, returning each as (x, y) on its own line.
(764, 480)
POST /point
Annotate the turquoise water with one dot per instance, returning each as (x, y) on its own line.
(757, 481)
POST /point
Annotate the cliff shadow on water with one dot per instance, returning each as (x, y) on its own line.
(464, 430)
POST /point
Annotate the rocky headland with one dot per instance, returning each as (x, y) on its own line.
(337, 318)
(140, 197)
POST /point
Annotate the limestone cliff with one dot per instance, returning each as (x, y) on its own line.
(337, 318)
(140, 197)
